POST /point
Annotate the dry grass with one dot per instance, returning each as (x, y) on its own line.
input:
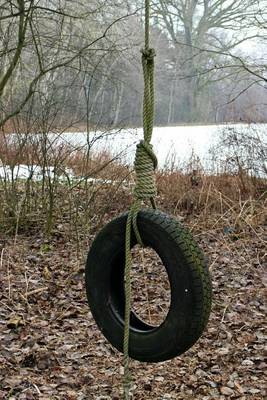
(236, 201)
(219, 196)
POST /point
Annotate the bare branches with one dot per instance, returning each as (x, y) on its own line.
(22, 28)
(45, 45)
(66, 49)
(83, 57)
(208, 36)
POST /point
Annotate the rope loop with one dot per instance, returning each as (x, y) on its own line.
(145, 163)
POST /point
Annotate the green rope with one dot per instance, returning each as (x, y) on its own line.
(145, 187)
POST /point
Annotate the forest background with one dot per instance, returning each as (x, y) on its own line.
(78, 63)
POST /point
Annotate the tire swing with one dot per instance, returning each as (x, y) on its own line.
(109, 262)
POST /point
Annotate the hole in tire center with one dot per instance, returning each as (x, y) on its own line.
(151, 294)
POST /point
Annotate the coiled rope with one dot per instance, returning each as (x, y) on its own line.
(145, 186)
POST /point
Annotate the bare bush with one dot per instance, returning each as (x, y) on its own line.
(242, 152)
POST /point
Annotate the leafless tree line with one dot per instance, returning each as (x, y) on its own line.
(79, 62)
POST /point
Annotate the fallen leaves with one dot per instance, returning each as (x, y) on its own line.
(52, 349)
(15, 322)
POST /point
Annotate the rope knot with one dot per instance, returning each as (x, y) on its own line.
(145, 163)
(148, 54)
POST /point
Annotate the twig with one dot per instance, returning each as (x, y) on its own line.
(35, 291)
(1, 259)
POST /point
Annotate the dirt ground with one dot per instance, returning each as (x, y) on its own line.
(51, 347)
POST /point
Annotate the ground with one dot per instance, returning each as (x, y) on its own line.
(51, 347)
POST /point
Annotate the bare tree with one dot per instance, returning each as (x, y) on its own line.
(208, 31)
(42, 39)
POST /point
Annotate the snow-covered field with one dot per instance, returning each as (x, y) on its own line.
(34, 172)
(173, 146)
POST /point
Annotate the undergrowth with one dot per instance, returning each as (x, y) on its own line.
(79, 189)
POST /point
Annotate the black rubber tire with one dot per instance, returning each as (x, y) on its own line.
(189, 282)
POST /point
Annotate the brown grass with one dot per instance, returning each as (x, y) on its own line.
(232, 200)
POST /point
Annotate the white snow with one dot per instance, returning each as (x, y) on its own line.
(35, 172)
(172, 145)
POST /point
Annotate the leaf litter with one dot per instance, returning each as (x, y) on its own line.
(51, 347)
